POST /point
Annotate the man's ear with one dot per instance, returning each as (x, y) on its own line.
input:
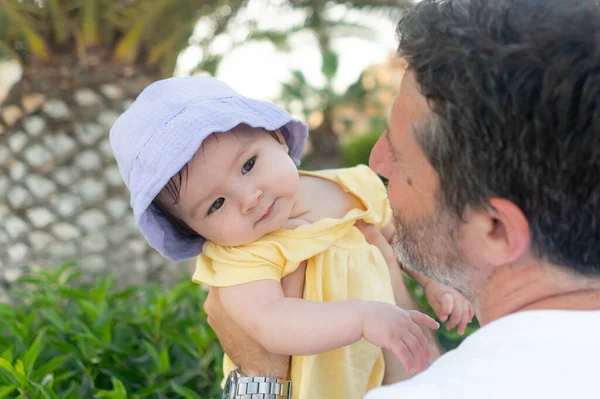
(507, 235)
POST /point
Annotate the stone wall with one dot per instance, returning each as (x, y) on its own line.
(63, 197)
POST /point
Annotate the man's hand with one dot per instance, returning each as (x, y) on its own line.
(251, 357)
(446, 301)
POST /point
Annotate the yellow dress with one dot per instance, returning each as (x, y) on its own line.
(340, 265)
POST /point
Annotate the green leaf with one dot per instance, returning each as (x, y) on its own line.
(118, 391)
(124, 294)
(33, 352)
(46, 392)
(106, 332)
(8, 355)
(5, 391)
(73, 293)
(89, 309)
(154, 354)
(19, 367)
(13, 373)
(184, 392)
(50, 366)
(329, 65)
(66, 273)
(152, 390)
(67, 375)
(165, 364)
(53, 318)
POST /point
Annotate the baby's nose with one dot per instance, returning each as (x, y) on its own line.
(251, 200)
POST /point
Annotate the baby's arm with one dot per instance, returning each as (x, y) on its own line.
(295, 326)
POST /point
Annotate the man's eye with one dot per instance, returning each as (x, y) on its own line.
(248, 165)
(216, 205)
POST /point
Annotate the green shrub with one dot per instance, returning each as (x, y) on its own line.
(62, 338)
(357, 151)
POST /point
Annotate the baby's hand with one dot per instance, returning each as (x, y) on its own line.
(446, 301)
(393, 328)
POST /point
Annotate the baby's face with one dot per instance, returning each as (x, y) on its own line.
(239, 186)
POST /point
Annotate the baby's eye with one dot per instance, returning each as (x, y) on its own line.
(248, 165)
(216, 205)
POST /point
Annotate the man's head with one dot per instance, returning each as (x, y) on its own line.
(493, 145)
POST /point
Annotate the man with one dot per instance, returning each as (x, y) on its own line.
(492, 153)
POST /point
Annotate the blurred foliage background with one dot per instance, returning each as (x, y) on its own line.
(124, 322)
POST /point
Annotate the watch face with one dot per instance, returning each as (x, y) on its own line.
(229, 389)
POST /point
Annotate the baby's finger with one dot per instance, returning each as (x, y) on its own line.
(412, 343)
(447, 306)
(455, 317)
(371, 232)
(423, 320)
(418, 333)
(465, 319)
(402, 352)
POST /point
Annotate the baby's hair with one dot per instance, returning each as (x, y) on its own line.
(172, 191)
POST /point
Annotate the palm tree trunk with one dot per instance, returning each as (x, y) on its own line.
(63, 194)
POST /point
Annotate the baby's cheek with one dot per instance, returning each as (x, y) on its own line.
(228, 232)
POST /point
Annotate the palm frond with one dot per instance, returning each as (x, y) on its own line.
(90, 33)
(6, 52)
(58, 21)
(351, 29)
(279, 38)
(35, 42)
(127, 50)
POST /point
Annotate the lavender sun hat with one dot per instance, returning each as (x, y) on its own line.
(164, 127)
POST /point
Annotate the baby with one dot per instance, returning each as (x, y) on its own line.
(212, 175)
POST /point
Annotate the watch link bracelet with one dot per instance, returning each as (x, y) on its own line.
(239, 386)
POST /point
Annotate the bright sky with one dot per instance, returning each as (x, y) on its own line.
(257, 69)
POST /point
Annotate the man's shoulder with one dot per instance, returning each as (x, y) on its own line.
(531, 354)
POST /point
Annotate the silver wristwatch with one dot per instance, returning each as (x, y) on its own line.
(239, 386)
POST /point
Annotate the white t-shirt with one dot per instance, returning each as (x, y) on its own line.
(542, 354)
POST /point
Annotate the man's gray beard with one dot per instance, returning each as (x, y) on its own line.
(431, 248)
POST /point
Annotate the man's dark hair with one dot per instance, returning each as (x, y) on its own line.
(514, 86)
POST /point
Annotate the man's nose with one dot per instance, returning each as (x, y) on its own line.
(376, 159)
